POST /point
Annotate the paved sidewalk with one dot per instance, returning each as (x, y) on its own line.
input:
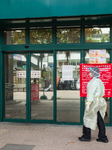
(50, 137)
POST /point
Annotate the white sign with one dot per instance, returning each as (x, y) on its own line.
(97, 56)
(35, 74)
(21, 74)
(67, 72)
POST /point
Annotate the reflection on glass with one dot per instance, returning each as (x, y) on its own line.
(15, 86)
(68, 86)
(40, 36)
(87, 56)
(94, 35)
(14, 36)
(42, 86)
(68, 35)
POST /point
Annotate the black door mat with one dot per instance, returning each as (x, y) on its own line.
(17, 147)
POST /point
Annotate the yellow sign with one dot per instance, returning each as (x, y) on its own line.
(97, 56)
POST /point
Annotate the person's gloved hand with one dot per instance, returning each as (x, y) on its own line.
(87, 107)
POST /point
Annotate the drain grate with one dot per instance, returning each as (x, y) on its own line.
(17, 147)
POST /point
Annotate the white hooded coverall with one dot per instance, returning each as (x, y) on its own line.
(95, 93)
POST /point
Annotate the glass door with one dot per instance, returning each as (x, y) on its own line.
(68, 86)
(15, 86)
(41, 107)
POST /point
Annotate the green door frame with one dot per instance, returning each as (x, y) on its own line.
(3, 90)
(51, 47)
(28, 109)
(28, 94)
(29, 103)
(81, 98)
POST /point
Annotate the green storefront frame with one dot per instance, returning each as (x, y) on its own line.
(33, 48)
(28, 94)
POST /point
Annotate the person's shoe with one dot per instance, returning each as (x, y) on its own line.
(46, 89)
(104, 141)
(84, 139)
(50, 86)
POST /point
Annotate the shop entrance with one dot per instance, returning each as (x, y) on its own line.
(44, 87)
(28, 87)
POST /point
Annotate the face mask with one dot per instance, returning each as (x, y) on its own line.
(90, 74)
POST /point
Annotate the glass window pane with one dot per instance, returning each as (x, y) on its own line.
(18, 21)
(68, 35)
(41, 20)
(40, 36)
(97, 35)
(14, 21)
(68, 19)
(42, 86)
(98, 18)
(14, 36)
(15, 86)
(107, 116)
(87, 56)
(68, 86)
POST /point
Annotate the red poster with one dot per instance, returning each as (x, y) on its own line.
(105, 76)
(34, 92)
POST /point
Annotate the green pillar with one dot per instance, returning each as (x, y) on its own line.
(1, 101)
(27, 33)
(82, 106)
(54, 75)
(28, 88)
(82, 99)
(55, 90)
(28, 80)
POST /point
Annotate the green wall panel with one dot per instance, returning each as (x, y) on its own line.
(80, 7)
(10, 9)
(23, 8)
(1, 108)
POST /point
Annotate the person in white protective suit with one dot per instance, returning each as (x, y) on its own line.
(95, 108)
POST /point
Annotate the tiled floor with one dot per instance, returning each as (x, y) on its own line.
(50, 137)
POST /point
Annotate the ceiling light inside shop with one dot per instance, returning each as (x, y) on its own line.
(18, 30)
